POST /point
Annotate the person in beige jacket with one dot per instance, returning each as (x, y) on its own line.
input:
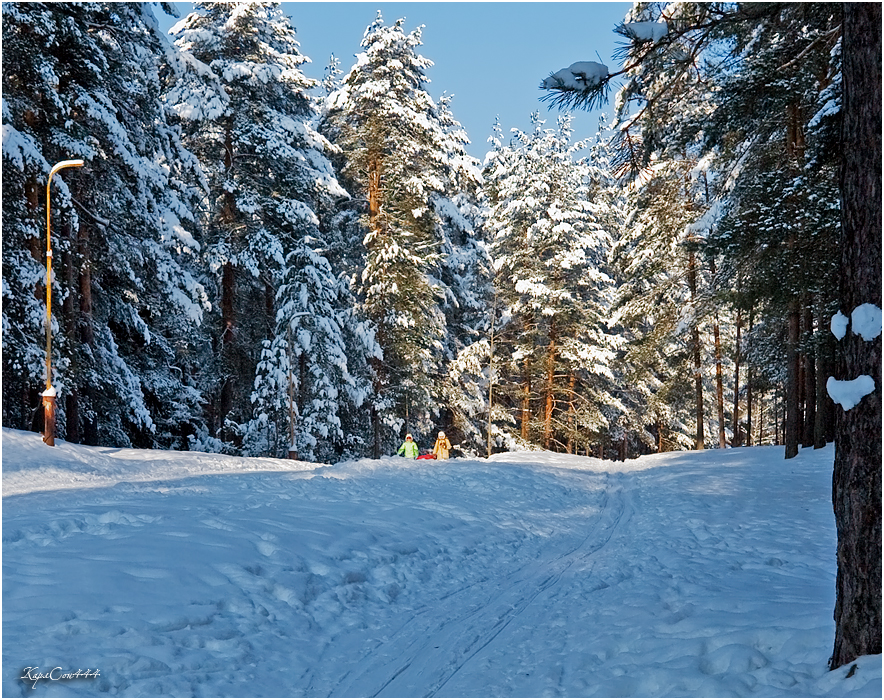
(442, 446)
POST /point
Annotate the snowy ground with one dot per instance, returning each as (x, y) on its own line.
(533, 574)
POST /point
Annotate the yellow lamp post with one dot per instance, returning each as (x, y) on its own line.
(49, 394)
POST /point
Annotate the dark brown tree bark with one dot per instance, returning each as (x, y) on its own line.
(792, 426)
(87, 330)
(376, 434)
(856, 484)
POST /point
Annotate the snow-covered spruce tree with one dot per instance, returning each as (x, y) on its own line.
(85, 83)
(404, 157)
(279, 299)
(550, 255)
(304, 389)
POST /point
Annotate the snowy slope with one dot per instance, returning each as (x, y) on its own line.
(532, 574)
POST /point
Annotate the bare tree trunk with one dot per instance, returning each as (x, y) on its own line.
(749, 406)
(737, 439)
(776, 418)
(856, 483)
(699, 442)
(572, 416)
(227, 221)
(795, 146)
(791, 436)
(550, 379)
(719, 386)
(376, 433)
(87, 330)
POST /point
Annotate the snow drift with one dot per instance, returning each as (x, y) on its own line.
(530, 574)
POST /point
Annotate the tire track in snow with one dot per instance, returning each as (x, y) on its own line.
(436, 643)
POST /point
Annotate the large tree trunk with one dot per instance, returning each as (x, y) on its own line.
(856, 484)
(792, 371)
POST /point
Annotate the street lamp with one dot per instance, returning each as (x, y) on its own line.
(49, 394)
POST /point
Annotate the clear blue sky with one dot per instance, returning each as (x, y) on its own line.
(490, 55)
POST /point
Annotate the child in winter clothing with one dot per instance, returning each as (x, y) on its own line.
(442, 446)
(409, 448)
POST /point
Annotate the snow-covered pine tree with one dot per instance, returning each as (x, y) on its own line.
(550, 254)
(269, 176)
(85, 83)
(403, 156)
(465, 271)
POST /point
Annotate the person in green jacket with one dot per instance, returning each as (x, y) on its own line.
(409, 448)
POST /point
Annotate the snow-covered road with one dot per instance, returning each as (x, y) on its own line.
(532, 574)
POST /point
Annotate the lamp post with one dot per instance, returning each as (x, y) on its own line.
(49, 394)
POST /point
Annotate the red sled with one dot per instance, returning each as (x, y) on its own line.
(429, 456)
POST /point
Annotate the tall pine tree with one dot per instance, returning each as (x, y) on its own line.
(403, 156)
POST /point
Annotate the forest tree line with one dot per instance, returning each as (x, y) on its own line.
(254, 261)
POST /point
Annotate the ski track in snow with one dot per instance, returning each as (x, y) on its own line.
(531, 574)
